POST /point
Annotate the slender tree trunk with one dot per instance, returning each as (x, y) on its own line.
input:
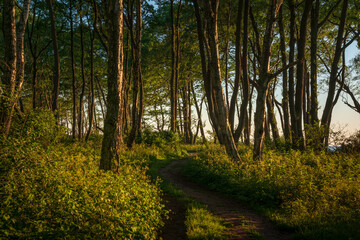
(113, 140)
(137, 81)
(285, 99)
(326, 117)
(237, 67)
(83, 85)
(191, 135)
(92, 91)
(291, 70)
(173, 70)
(74, 93)
(198, 110)
(219, 108)
(264, 80)
(7, 103)
(227, 57)
(56, 71)
(245, 78)
(20, 61)
(272, 119)
(313, 51)
(300, 76)
(204, 69)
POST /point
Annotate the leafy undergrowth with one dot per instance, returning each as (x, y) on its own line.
(316, 193)
(52, 189)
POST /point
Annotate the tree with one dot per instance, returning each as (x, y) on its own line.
(212, 76)
(137, 107)
(264, 80)
(300, 77)
(326, 117)
(113, 140)
(7, 102)
(56, 70)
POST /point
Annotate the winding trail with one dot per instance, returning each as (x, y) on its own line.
(241, 219)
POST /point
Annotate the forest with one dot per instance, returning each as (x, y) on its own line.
(179, 119)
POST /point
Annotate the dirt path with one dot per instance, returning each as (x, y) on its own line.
(240, 218)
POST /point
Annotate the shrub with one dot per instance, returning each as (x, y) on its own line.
(58, 192)
(315, 192)
(352, 143)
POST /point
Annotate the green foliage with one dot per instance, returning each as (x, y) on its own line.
(58, 192)
(316, 193)
(352, 143)
(159, 139)
(314, 136)
(38, 126)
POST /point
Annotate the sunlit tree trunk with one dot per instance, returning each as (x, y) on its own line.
(292, 41)
(285, 99)
(20, 61)
(113, 140)
(212, 80)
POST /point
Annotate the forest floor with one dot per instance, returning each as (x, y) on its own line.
(242, 222)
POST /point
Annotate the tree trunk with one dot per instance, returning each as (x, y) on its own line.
(83, 85)
(214, 78)
(313, 49)
(7, 103)
(20, 61)
(237, 67)
(300, 77)
(285, 99)
(137, 81)
(227, 57)
(291, 70)
(113, 140)
(205, 73)
(198, 110)
(92, 91)
(74, 94)
(326, 117)
(271, 118)
(264, 80)
(56, 71)
(245, 78)
(173, 70)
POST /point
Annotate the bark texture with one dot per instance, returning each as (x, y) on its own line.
(112, 141)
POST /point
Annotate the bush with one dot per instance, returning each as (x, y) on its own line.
(58, 192)
(38, 126)
(352, 143)
(314, 192)
(159, 139)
